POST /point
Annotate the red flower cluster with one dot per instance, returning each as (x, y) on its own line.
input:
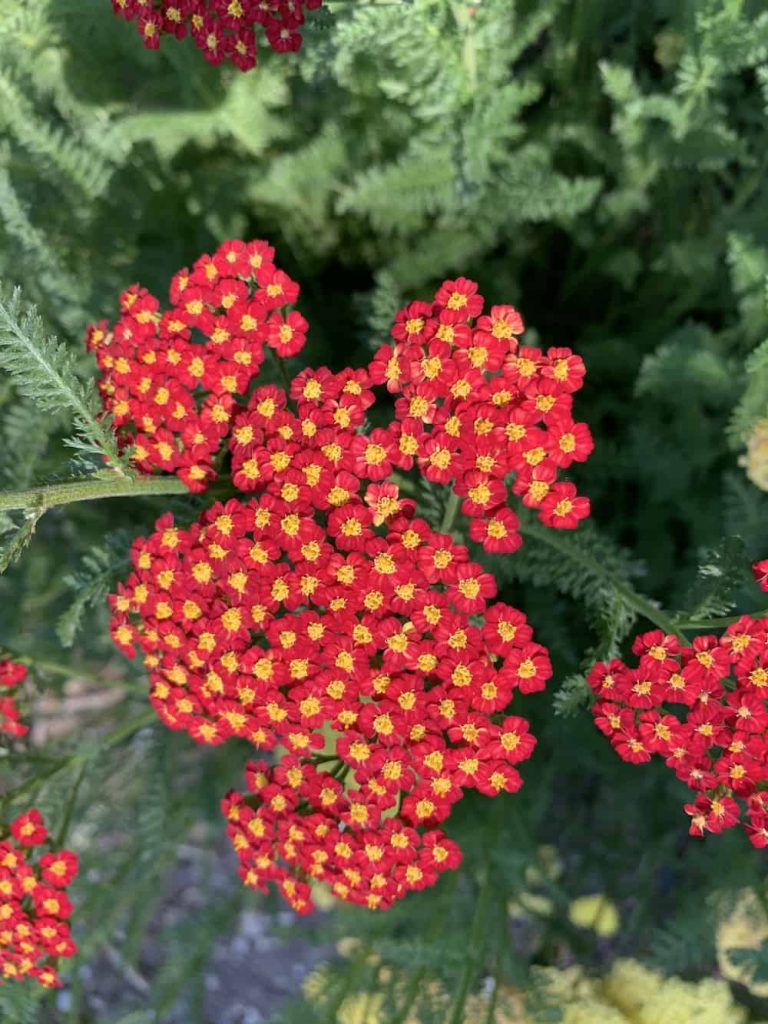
(221, 29)
(169, 378)
(476, 407)
(298, 824)
(760, 571)
(11, 676)
(34, 908)
(703, 709)
(260, 622)
(316, 453)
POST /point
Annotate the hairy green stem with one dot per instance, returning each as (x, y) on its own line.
(83, 754)
(414, 986)
(283, 370)
(57, 669)
(474, 960)
(727, 620)
(451, 511)
(642, 605)
(42, 498)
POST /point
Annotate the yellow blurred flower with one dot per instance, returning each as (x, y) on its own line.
(530, 903)
(646, 997)
(756, 458)
(630, 994)
(322, 896)
(361, 1008)
(547, 866)
(597, 913)
(744, 925)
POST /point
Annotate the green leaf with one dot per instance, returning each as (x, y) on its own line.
(44, 370)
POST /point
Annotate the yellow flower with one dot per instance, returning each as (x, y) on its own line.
(361, 1008)
(743, 926)
(322, 896)
(646, 997)
(596, 912)
(756, 458)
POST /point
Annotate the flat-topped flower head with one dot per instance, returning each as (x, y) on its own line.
(476, 410)
(34, 906)
(760, 570)
(703, 708)
(340, 629)
(296, 824)
(170, 378)
(223, 30)
(12, 675)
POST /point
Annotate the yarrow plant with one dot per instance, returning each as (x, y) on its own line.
(340, 640)
(169, 378)
(12, 675)
(221, 29)
(702, 708)
(277, 621)
(34, 906)
(323, 616)
(476, 408)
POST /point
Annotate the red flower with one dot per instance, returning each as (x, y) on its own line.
(28, 829)
(221, 28)
(760, 570)
(287, 335)
(59, 869)
(172, 397)
(563, 508)
(33, 928)
(286, 620)
(11, 676)
(460, 296)
(11, 673)
(474, 409)
(703, 709)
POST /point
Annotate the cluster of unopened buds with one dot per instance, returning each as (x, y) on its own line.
(221, 29)
(169, 378)
(12, 675)
(703, 708)
(335, 620)
(34, 906)
(476, 408)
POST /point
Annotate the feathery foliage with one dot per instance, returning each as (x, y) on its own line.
(44, 371)
(602, 166)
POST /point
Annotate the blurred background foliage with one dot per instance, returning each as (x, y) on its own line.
(601, 165)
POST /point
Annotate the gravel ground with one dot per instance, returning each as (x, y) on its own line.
(255, 968)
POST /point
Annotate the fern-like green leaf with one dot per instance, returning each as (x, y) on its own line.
(13, 548)
(91, 584)
(721, 572)
(43, 370)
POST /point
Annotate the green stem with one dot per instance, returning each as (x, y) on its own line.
(490, 1015)
(56, 669)
(83, 755)
(43, 498)
(475, 949)
(123, 732)
(416, 981)
(283, 370)
(71, 801)
(727, 620)
(451, 511)
(640, 604)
